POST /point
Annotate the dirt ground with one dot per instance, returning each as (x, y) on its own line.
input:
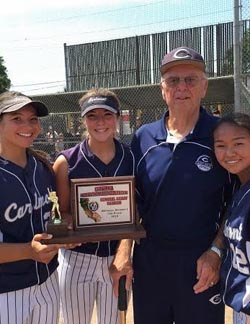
(129, 317)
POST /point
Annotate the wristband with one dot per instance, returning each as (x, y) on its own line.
(218, 251)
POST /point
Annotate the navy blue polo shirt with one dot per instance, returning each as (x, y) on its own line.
(181, 189)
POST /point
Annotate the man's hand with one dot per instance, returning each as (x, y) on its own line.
(208, 271)
(122, 266)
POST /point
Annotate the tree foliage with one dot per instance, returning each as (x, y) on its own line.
(4, 80)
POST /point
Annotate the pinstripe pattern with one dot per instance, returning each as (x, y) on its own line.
(84, 280)
(239, 318)
(84, 271)
(38, 304)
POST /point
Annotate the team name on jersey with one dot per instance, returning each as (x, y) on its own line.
(240, 254)
(14, 212)
(233, 233)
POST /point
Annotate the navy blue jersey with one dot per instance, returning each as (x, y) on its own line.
(24, 212)
(181, 189)
(84, 164)
(236, 267)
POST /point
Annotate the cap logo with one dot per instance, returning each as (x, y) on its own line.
(96, 102)
(182, 54)
(93, 99)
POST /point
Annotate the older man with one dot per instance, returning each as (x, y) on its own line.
(182, 193)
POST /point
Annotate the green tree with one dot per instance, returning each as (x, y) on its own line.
(4, 80)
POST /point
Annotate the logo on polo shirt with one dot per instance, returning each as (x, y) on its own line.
(204, 163)
(216, 299)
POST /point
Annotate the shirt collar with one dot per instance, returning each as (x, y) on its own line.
(200, 130)
(89, 153)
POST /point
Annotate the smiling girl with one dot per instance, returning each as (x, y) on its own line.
(84, 271)
(28, 277)
(232, 150)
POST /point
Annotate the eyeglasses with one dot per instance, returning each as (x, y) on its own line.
(190, 81)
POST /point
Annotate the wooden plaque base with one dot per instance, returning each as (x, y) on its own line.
(57, 230)
(91, 234)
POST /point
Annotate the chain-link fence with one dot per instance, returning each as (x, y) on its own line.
(130, 67)
(245, 57)
(63, 127)
(58, 135)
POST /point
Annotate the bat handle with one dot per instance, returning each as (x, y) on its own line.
(122, 297)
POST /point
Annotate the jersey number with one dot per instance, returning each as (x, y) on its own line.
(240, 261)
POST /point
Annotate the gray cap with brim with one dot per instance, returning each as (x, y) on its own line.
(19, 102)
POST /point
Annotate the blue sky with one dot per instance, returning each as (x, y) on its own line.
(33, 32)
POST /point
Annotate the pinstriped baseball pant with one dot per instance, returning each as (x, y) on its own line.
(84, 280)
(32, 305)
(240, 318)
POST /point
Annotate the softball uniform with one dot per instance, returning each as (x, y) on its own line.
(29, 291)
(84, 271)
(236, 268)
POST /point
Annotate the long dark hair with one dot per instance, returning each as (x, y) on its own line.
(42, 157)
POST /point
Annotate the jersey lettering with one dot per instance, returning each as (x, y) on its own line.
(46, 216)
(13, 212)
(233, 233)
(41, 201)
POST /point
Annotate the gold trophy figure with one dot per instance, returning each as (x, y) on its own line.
(56, 225)
(55, 211)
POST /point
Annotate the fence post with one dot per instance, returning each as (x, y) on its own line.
(237, 59)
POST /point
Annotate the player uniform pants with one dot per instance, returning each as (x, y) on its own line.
(85, 279)
(240, 318)
(32, 305)
(163, 287)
